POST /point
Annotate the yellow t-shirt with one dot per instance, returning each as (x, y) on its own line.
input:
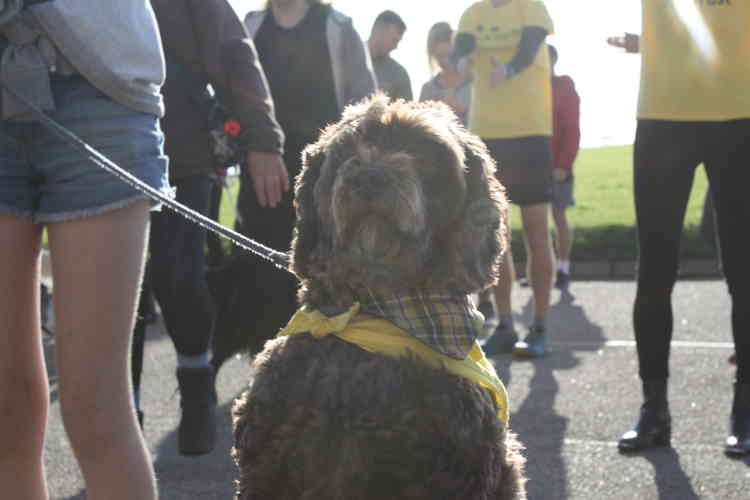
(696, 60)
(521, 106)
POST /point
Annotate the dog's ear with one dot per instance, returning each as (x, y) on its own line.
(307, 229)
(479, 237)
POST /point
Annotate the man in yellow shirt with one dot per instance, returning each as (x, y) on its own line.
(511, 110)
(694, 108)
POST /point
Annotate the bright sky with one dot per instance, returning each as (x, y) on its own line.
(606, 78)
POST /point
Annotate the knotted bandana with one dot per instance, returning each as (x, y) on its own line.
(383, 337)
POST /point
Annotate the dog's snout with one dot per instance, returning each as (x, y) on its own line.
(368, 183)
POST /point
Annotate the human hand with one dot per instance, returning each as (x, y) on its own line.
(629, 41)
(499, 73)
(464, 68)
(560, 174)
(269, 176)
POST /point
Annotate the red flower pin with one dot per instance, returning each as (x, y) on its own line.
(232, 127)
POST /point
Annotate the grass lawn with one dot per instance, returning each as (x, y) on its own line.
(604, 217)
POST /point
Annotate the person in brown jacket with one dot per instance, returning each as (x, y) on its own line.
(205, 43)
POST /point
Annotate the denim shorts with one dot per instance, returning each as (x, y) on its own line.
(48, 180)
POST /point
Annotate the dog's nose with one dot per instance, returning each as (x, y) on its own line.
(368, 183)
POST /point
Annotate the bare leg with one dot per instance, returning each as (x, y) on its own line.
(97, 265)
(505, 284)
(563, 232)
(541, 259)
(23, 378)
(504, 337)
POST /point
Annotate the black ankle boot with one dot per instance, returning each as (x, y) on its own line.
(738, 442)
(654, 427)
(197, 432)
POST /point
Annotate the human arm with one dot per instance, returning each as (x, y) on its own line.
(359, 78)
(223, 52)
(532, 38)
(464, 45)
(629, 41)
(568, 107)
(269, 175)
(463, 98)
(536, 26)
(455, 103)
(403, 89)
(428, 92)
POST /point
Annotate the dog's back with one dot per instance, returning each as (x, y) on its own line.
(325, 419)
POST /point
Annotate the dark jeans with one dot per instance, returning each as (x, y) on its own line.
(176, 273)
(666, 155)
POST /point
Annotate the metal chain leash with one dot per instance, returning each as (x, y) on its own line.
(280, 259)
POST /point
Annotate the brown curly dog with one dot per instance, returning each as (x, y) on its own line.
(396, 201)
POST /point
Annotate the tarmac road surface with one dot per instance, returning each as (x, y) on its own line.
(569, 408)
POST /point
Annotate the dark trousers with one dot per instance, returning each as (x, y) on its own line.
(257, 299)
(176, 274)
(665, 157)
(214, 245)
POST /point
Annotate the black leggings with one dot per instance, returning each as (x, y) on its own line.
(666, 155)
(177, 269)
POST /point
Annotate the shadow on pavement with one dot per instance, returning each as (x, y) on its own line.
(745, 460)
(208, 476)
(669, 475)
(536, 421)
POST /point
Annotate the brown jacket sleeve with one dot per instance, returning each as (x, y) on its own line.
(208, 37)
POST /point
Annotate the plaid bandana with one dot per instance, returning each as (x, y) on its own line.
(447, 322)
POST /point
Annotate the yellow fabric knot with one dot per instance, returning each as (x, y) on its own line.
(317, 323)
(383, 337)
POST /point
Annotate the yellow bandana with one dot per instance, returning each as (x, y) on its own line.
(383, 337)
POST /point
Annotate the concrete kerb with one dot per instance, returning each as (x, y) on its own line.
(585, 270)
(626, 269)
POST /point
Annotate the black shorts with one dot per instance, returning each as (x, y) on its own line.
(524, 167)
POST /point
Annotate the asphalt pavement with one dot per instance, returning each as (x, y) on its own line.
(568, 408)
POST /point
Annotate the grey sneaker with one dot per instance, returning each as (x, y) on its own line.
(563, 280)
(501, 341)
(534, 345)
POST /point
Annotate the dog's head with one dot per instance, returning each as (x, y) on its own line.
(396, 196)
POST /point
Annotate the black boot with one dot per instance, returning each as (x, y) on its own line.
(197, 432)
(738, 442)
(654, 427)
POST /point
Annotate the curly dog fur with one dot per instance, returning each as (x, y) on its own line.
(395, 196)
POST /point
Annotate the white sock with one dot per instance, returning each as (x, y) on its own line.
(564, 266)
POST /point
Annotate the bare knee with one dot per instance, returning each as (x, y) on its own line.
(538, 244)
(94, 419)
(23, 415)
(560, 217)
